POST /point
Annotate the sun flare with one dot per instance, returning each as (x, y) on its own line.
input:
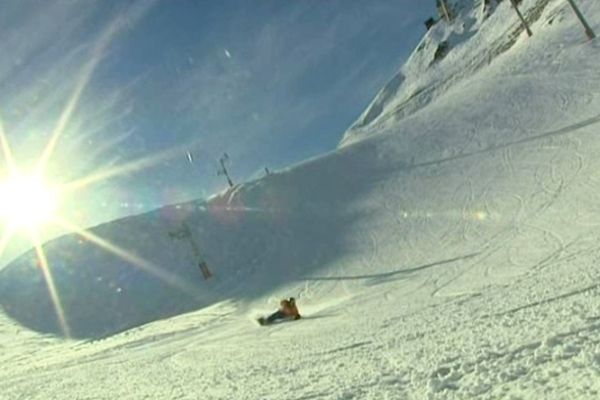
(27, 201)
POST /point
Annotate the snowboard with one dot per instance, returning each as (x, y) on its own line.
(262, 321)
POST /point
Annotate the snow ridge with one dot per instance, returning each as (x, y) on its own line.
(450, 52)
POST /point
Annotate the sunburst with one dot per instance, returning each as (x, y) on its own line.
(29, 201)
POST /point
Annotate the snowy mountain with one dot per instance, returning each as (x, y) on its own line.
(447, 249)
(481, 32)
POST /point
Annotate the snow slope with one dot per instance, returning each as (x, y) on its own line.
(448, 54)
(448, 249)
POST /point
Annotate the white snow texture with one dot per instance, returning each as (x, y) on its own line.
(448, 249)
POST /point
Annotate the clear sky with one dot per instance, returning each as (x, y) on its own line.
(270, 82)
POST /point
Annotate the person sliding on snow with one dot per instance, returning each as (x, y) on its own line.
(287, 310)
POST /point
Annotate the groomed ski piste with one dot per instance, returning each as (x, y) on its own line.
(448, 249)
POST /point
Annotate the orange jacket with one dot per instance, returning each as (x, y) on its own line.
(289, 309)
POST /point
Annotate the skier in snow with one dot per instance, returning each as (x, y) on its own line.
(287, 310)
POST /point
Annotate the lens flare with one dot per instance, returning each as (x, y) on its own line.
(131, 258)
(481, 215)
(28, 202)
(54, 296)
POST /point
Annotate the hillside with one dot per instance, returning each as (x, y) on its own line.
(447, 249)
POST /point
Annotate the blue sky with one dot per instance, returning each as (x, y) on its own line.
(270, 82)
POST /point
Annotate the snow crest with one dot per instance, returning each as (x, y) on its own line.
(451, 51)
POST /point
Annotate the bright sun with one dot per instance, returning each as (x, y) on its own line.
(27, 201)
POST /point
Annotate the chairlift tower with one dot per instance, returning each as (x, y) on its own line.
(186, 233)
(443, 7)
(588, 31)
(223, 170)
(523, 21)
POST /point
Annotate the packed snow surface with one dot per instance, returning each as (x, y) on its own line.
(448, 249)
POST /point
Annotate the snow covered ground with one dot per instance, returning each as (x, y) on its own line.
(448, 249)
